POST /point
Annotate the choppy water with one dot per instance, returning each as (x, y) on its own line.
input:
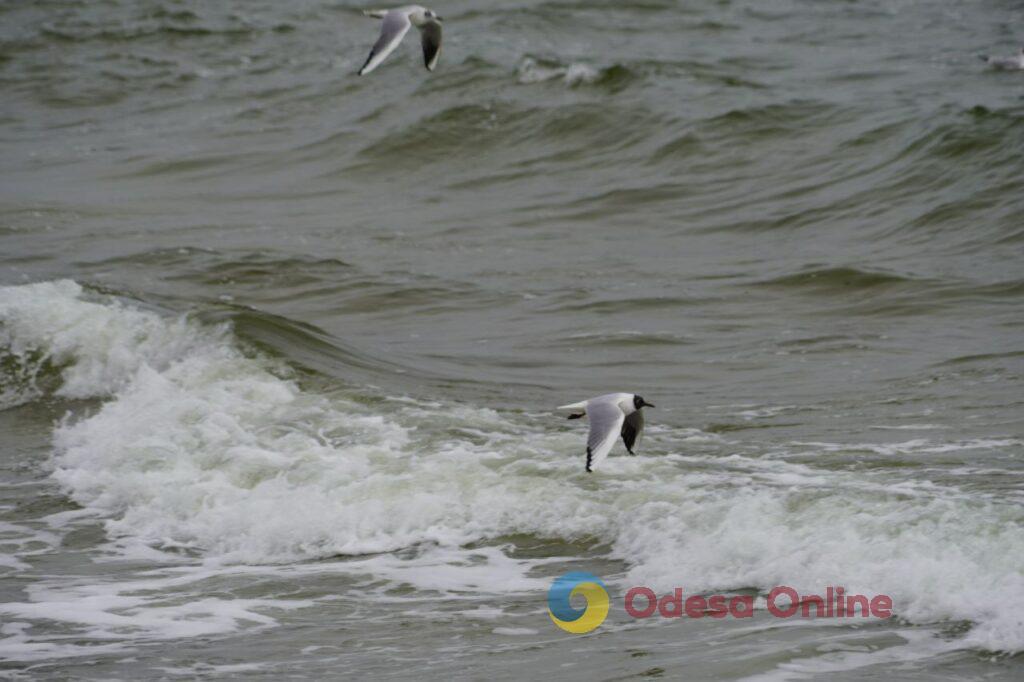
(279, 345)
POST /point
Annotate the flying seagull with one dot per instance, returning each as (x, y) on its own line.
(1005, 62)
(394, 27)
(610, 415)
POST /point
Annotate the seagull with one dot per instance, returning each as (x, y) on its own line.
(1005, 62)
(394, 27)
(610, 415)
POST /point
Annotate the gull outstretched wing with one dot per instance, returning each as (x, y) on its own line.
(632, 427)
(394, 27)
(431, 39)
(605, 424)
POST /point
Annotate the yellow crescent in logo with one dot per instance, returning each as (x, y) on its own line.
(597, 609)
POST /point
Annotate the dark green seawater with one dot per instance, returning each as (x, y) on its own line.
(280, 346)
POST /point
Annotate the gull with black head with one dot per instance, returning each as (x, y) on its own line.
(610, 415)
(396, 24)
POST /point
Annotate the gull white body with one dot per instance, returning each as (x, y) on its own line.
(610, 416)
(396, 23)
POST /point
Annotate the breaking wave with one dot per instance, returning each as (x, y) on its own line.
(202, 446)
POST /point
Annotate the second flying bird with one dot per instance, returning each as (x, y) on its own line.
(396, 23)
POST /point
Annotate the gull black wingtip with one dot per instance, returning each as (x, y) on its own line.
(362, 69)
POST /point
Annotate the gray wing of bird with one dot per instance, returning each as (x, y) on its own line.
(394, 27)
(632, 427)
(430, 36)
(605, 424)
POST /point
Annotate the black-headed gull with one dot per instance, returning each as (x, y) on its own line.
(610, 416)
(396, 24)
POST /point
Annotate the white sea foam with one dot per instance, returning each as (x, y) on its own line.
(532, 71)
(202, 446)
(17, 645)
(97, 347)
(146, 607)
(514, 632)
(840, 658)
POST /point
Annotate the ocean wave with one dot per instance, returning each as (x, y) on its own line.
(830, 279)
(524, 137)
(202, 447)
(793, 117)
(891, 293)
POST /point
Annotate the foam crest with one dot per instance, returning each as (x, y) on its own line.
(532, 71)
(96, 348)
(939, 557)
